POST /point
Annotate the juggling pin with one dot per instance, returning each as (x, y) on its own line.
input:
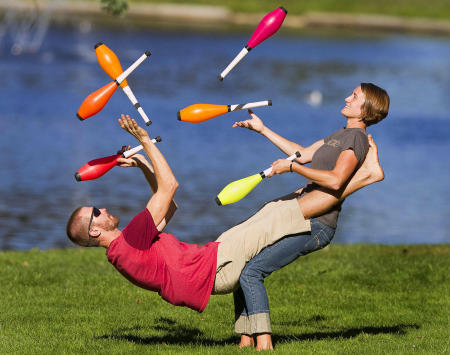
(98, 167)
(266, 28)
(202, 112)
(98, 99)
(111, 65)
(238, 189)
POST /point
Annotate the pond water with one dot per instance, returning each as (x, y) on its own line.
(43, 143)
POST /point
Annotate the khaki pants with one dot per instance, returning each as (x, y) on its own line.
(239, 244)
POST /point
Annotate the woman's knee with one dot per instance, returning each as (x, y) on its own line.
(251, 272)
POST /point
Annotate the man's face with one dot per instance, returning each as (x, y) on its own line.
(104, 220)
(353, 104)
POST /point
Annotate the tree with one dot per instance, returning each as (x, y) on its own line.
(115, 7)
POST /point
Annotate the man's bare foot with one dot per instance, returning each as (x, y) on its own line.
(264, 342)
(246, 340)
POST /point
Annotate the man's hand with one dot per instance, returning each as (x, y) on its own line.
(126, 162)
(280, 166)
(133, 128)
(123, 149)
(254, 124)
(130, 162)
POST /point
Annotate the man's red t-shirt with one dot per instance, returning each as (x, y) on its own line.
(183, 274)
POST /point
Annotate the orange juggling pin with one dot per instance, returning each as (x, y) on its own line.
(111, 65)
(98, 99)
(202, 112)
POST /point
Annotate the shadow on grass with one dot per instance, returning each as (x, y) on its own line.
(176, 334)
(314, 319)
(399, 329)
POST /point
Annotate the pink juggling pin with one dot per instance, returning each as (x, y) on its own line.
(266, 28)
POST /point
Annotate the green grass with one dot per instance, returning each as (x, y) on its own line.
(408, 8)
(361, 299)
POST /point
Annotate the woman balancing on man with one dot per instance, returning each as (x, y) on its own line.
(186, 274)
(335, 162)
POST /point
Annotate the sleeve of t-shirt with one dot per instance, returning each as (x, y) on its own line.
(141, 231)
(358, 142)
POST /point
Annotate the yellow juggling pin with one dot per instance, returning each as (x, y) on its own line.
(238, 189)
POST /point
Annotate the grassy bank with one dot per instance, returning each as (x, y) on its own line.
(362, 299)
(439, 9)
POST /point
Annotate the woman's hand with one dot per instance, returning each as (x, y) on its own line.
(133, 128)
(254, 124)
(280, 166)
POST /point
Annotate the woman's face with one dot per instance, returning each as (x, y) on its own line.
(353, 104)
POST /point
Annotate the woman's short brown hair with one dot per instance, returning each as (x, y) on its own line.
(376, 105)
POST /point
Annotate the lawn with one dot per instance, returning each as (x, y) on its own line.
(408, 8)
(345, 299)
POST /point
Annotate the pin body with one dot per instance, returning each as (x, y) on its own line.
(96, 101)
(270, 24)
(96, 168)
(109, 62)
(237, 190)
(201, 112)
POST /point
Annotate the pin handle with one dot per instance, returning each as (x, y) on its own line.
(290, 158)
(233, 63)
(138, 148)
(133, 66)
(250, 105)
(134, 101)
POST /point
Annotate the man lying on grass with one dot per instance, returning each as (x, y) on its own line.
(184, 274)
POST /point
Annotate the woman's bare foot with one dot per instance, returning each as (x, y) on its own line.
(246, 340)
(371, 165)
(264, 342)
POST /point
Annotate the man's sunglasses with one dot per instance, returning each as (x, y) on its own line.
(95, 212)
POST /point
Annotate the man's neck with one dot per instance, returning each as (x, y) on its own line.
(108, 237)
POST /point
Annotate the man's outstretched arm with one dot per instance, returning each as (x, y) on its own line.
(138, 160)
(166, 183)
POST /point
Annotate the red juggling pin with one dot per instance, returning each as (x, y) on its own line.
(99, 167)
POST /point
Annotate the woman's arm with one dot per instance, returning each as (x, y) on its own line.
(319, 201)
(286, 146)
(330, 179)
